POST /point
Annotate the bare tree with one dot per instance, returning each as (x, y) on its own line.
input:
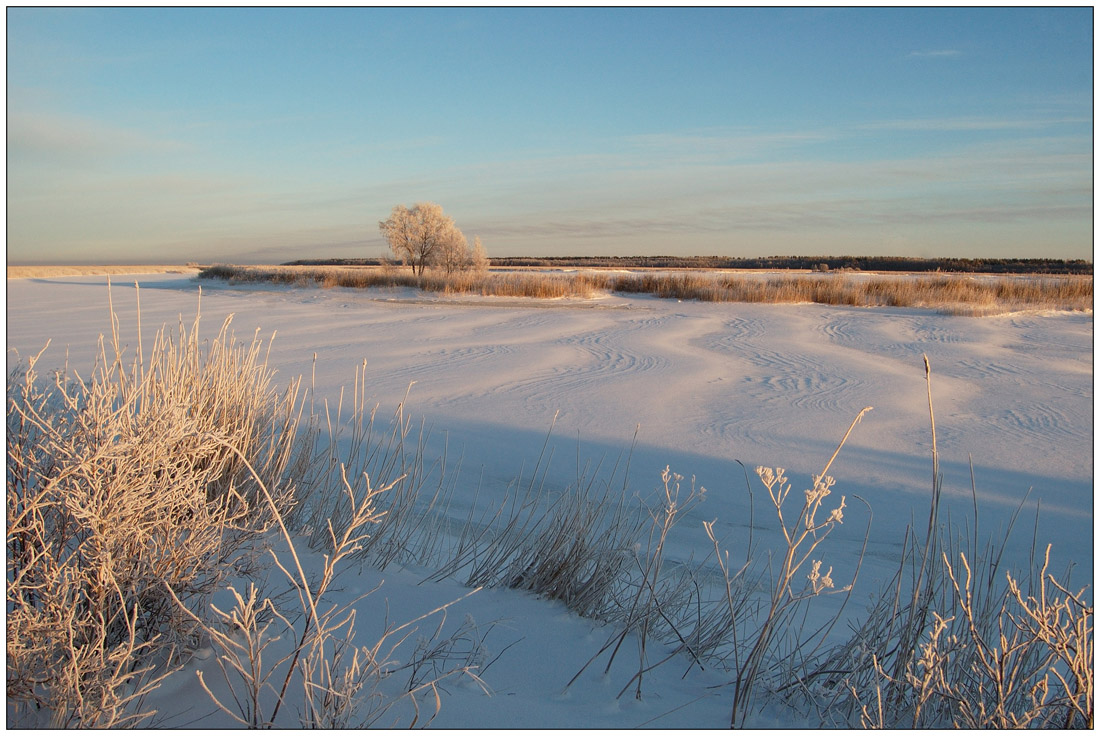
(421, 236)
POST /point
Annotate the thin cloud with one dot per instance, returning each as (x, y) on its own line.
(1034, 181)
(708, 144)
(71, 137)
(811, 215)
(935, 54)
(970, 123)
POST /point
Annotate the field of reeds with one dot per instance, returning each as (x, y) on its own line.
(951, 294)
(181, 471)
(32, 272)
(481, 283)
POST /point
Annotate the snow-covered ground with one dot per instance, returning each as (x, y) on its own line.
(703, 385)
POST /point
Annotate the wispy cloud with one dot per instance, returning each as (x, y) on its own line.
(935, 54)
(805, 217)
(972, 123)
(72, 138)
(699, 190)
(713, 144)
(1028, 183)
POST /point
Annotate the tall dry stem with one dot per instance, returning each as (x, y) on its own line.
(801, 539)
(118, 485)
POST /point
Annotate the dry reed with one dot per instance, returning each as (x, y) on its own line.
(951, 294)
(39, 272)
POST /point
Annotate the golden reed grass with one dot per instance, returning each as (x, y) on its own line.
(953, 294)
(41, 272)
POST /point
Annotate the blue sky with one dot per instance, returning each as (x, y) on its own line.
(264, 135)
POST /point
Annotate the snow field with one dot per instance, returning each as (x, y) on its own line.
(703, 385)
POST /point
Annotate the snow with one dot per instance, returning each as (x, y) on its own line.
(702, 385)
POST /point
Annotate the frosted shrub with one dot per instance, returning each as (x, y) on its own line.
(118, 489)
(134, 496)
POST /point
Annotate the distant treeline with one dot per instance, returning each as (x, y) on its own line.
(815, 263)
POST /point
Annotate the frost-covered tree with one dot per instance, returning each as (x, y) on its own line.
(478, 261)
(454, 253)
(421, 236)
(458, 255)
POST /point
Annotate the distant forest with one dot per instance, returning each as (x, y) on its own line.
(814, 263)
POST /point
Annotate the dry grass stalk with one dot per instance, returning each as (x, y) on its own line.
(650, 604)
(117, 486)
(1025, 662)
(962, 644)
(323, 659)
(802, 537)
(571, 546)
